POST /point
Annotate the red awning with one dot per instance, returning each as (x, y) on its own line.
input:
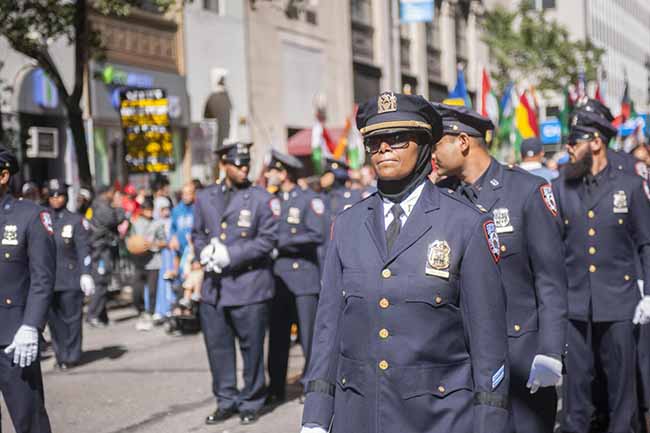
(299, 144)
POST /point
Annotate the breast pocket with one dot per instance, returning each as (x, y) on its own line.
(432, 291)
(510, 244)
(355, 320)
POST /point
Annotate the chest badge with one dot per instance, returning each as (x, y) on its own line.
(245, 218)
(294, 215)
(438, 258)
(620, 202)
(502, 220)
(66, 231)
(10, 236)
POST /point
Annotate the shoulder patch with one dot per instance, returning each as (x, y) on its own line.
(275, 206)
(317, 206)
(641, 169)
(646, 189)
(549, 199)
(85, 224)
(490, 230)
(46, 220)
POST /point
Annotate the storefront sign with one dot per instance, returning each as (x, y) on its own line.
(550, 131)
(144, 114)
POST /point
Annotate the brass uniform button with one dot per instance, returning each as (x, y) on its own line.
(224, 225)
(517, 328)
(343, 381)
(441, 389)
(8, 301)
(294, 230)
(591, 214)
(383, 303)
(566, 222)
(438, 300)
(591, 232)
(244, 234)
(620, 221)
(592, 250)
(295, 265)
(386, 273)
(627, 278)
(7, 255)
(222, 236)
(503, 248)
(383, 333)
(383, 365)
(592, 268)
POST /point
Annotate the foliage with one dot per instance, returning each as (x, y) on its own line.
(527, 46)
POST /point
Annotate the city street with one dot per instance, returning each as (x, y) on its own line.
(132, 381)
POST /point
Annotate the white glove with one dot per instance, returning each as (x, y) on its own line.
(206, 254)
(640, 284)
(24, 346)
(312, 430)
(642, 313)
(87, 284)
(545, 371)
(220, 256)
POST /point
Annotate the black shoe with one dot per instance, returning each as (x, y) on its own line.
(275, 399)
(247, 418)
(220, 415)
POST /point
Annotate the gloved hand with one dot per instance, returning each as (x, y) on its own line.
(312, 430)
(206, 254)
(87, 284)
(220, 256)
(642, 313)
(24, 346)
(545, 371)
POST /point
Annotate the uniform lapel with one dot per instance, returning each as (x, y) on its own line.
(375, 224)
(492, 183)
(418, 223)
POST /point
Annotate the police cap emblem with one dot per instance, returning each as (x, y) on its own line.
(386, 102)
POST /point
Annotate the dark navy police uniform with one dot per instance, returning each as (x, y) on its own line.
(235, 303)
(27, 269)
(605, 219)
(296, 271)
(410, 339)
(532, 268)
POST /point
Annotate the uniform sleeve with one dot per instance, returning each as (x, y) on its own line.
(484, 318)
(546, 252)
(199, 237)
(321, 372)
(313, 233)
(262, 244)
(640, 216)
(82, 245)
(41, 253)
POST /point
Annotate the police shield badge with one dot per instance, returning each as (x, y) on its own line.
(549, 198)
(10, 236)
(620, 202)
(244, 219)
(294, 215)
(66, 231)
(502, 220)
(438, 259)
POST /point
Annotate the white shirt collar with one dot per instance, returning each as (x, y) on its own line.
(407, 204)
(530, 165)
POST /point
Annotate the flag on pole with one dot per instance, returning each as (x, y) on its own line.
(459, 95)
(526, 118)
(321, 145)
(487, 100)
(356, 151)
(567, 108)
(506, 117)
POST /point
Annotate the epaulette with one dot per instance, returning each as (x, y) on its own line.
(450, 193)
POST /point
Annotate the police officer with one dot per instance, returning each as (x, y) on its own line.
(27, 270)
(337, 196)
(532, 263)
(410, 331)
(235, 230)
(605, 213)
(532, 155)
(297, 276)
(73, 276)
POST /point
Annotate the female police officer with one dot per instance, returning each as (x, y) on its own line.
(410, 330)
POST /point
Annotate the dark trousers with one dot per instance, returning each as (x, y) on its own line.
(65, 325)
(530, 413)
(283, 309)
(607, 349)
(99, 299)
(22, 390)
(220, 326)
(141, 278)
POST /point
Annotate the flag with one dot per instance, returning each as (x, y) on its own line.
(356, 151)
(597, 94)
(526, 118)
(487, 101)
(321, 145)
(567, 108)
(342, 145)
(582, 83)
(506, 131)
(459, 95)
(627, 107)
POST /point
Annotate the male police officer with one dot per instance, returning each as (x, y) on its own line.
(73, 276)
(525, 214)
(297, 275)
(235, 230)
(27, 270)
(605, 213)
(532, 155)
(410, 330)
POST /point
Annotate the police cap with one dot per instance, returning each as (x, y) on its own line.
(56, 187)
(458, 119)
(594, 106)
(337, 167)
(282, 161)
(586, 125)
(531, 146)
(237, 153)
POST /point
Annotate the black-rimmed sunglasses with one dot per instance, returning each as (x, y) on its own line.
(394, 141)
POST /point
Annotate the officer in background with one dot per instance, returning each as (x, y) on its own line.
(532, 156)
(605, 214)
(410, 333)
(104, 239)
(532, 262)
(235, 230)
(336, 195)
(297, 275)
(73, 276)
(27, 270)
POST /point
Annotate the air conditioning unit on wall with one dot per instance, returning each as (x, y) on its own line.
(42, 142)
